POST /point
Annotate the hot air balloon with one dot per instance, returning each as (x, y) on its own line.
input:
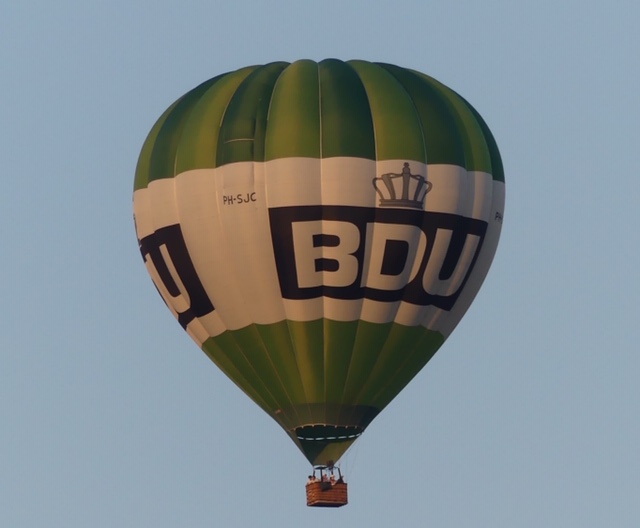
(319, 230)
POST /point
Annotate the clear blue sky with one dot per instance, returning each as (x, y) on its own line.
(111, 416)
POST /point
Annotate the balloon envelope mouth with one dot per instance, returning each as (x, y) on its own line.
(309, 421)
(327, 433)
(324, 431)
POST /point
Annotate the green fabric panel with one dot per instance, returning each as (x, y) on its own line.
(163, 156)
(399, 344)
(225, 350)
(365, 363)
(242, 133)
(144, 160)
(369, 340)
(347, 128)
(442, 138)
(307, 339)
(294, 116)
(216, 354)
(278, 344)
(338, 346)
(475, 146)
(398, 131)
(317, 110)
(198, 144)
(347, 363)
(413, 362)
(497, 169)
(249, 341)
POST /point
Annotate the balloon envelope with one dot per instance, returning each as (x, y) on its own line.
(319, 229)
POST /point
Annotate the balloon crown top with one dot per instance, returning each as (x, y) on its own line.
(403, 189)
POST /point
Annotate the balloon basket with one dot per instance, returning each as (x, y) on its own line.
(326, 492)
(326, 495)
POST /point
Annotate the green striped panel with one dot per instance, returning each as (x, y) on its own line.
(347, 127)
(415, 356)
(307, 341)
(162, 160)
(143, 172)
(397, 127)
(369, 340)
(400, 343)
(243, 128)
(497, 169)
(349, 363)
(477, 156)
(294, 116)
(343, 366)
(278, 348)
(442, 139)
(222, 359)
(317, 110)
(248, 341)
(338, 346)
(198, 144)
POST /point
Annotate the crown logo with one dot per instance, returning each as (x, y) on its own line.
(402, 190)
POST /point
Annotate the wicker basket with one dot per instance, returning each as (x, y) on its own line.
(327, 495)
